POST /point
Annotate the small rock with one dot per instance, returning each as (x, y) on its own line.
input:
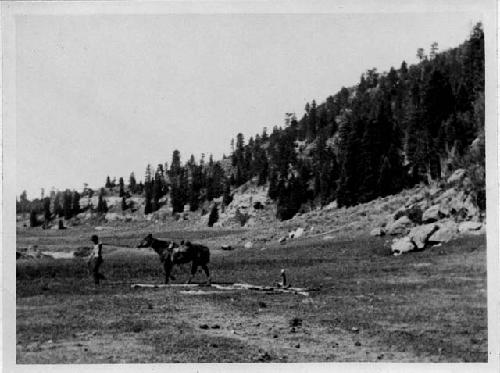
(204, 326)
(355, 329)
(292, 330)
(380, 357)
(282, 240)
(262, 304)
(150, 306)
(358, 343)
(297, 345)
(216, 326)
(248, 245)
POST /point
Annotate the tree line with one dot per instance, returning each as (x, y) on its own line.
(390, 131)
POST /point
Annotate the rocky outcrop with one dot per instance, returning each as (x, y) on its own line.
(447, 230)
(432, 214)
(420, 235)
(400, 226)
(469, 226)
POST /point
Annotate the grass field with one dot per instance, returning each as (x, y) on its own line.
(370, 306)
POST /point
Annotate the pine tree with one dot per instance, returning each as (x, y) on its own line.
(102, 207)
(132, 183)
(75, 203)
(33, 219)
(58, 210)
(148, 206)
(214, 216)
(108, 182)
(122, 191)
(124, 204)
(46, 211)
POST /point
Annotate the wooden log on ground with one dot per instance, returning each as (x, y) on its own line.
(154, 286)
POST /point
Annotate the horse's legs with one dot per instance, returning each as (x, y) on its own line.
(167, 269)
(207, 272)
(194, 267)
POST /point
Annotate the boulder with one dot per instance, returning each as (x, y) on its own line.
(457, 176)
(226, 247)
(248, 245)
(299, 232)
(420, 235)
(377, 232)
(400, 226)
(447, 231)
(431, 214)
(469, 226)
(282, 240)
(402, 245)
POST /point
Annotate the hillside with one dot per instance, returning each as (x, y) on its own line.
(390, 132)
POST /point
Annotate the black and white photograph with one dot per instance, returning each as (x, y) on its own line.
(267, 183)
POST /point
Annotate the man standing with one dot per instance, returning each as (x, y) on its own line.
(95, 259)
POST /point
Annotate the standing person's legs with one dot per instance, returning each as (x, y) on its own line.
(95, 272)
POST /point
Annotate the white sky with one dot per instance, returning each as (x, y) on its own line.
(108, 94)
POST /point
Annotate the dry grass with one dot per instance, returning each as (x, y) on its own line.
(426, 306)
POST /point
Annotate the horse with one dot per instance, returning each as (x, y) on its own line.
(171, 253)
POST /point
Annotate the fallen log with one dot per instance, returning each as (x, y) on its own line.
(237, 286)
(155, 286)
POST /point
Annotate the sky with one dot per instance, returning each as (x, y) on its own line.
(100, 95)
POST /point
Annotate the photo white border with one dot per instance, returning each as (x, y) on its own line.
(9, 10)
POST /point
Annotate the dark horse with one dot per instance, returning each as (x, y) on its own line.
(170, 253)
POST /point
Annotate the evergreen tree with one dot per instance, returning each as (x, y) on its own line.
(46, 210)
(148, 206)
(122, 191)
(124, 204)
(132, 183)
(75, 203)
(102, 207)
(58, 210)
(33, 219)
(108, 182)
(214, 216)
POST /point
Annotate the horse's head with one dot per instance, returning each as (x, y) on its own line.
(146, 242)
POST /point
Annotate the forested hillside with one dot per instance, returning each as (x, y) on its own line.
(392, 130)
